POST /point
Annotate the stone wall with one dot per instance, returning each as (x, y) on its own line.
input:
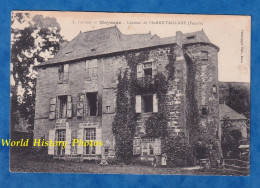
(48, 86)
(205, 128)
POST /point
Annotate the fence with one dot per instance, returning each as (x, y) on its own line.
(235, 165)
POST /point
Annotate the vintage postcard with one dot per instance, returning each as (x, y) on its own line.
(130, 93)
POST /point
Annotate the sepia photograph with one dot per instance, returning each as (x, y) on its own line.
(130, 93)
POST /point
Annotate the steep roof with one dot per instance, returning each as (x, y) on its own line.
(225, 110)
(110, 40)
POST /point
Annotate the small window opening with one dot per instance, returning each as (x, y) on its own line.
(204, 55)
(148, 72)
(107, 109)
(191, 37)
(214, 89)
(204, 111)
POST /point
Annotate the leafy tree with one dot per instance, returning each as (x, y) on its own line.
(239, 99)
(34, 39)
(178, 151)
(230, 139)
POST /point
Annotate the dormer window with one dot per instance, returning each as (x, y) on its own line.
(191, 37)
(68, 53)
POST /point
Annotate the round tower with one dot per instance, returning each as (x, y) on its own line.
(203, 100)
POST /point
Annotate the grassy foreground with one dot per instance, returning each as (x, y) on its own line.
(19, 162)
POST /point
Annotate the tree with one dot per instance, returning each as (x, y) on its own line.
(230, 139)
(178, 151)
(34, 39)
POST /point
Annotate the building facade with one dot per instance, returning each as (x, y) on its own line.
(77, 90)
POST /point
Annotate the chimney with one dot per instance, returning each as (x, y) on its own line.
(179, 38)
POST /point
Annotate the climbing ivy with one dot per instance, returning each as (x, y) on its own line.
(125, 119)
(128, 87)
(120, 126)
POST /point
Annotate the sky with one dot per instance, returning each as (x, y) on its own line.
(230, 33)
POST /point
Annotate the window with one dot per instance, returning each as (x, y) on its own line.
(148, 72)
(214, 89)
(62, 111)
(90, 134)
(61, 107)
(60, 136)
(92, 104)
(63, 72)
(151, 146)
(92, 69)
(73, 136)
(191, 37)
(148, 103)
(204, 110)
(107, 109)
(204, 55)
(147, 69)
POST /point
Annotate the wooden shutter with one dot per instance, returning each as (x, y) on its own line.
(138, 105)
(69, 106)
(80, 133)
(52, 108)
(155, 103)
(157, 146)
(140, 71)
(98, 138)
(68, 139)
(99, 105)
(80, 105)
(66, 68)
(154, 68)
(136, 146)
(51, 137)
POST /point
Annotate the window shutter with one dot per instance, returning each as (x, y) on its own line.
(154, 68)
(51, 137)
(69, 106)
(61, 69)
(80, 138)
(136, 146)
(157, 146)
(52, 108)
(139, 70)
(155, 103)
(99, 104)
(138, 106)
(68, 139)
(98, 138)
(66, 68)
(80, 105)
